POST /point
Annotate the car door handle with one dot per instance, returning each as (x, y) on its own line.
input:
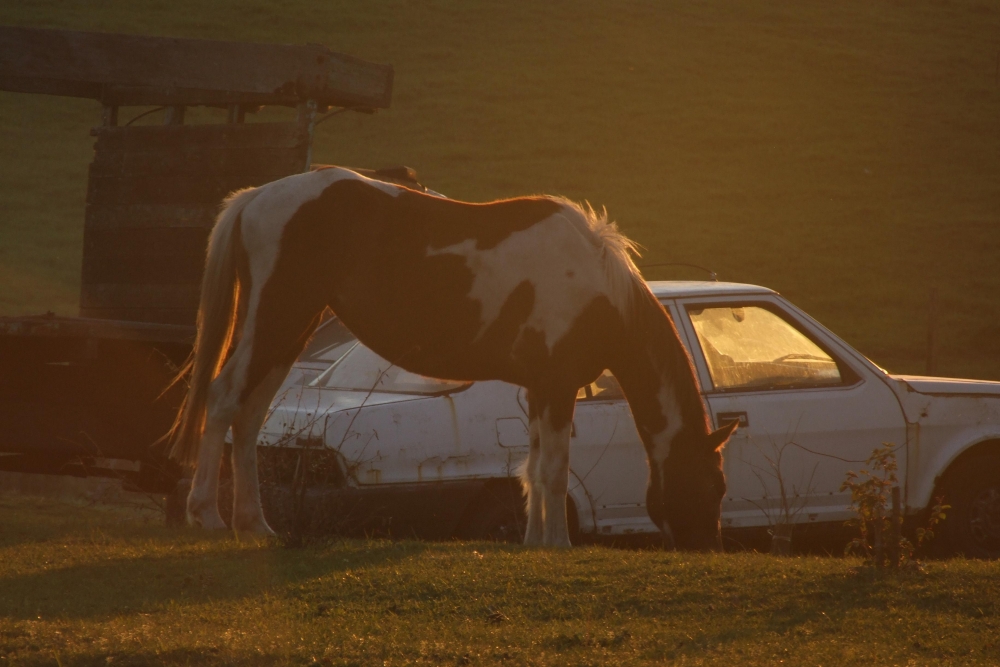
(723, 418)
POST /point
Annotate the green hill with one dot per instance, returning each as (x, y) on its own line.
(845, 154)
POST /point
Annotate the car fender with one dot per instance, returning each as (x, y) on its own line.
(946, 427)
(583, 504)
(427, 439)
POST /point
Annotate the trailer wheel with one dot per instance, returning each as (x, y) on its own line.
(177, 503)
(972, 526)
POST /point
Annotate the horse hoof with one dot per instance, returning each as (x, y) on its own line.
(207, 520)
(557, 542)
(255, 529)
(255, 535)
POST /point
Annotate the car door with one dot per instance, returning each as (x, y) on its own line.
(809, 409)
(607, 458)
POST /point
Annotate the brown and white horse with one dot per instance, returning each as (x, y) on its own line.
(535, 291)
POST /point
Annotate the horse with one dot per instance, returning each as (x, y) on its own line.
(536, 291)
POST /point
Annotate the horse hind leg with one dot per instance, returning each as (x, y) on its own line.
(282, 329)
(248, 515)
(221, 409)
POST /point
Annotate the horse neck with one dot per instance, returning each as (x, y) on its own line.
(657, 376)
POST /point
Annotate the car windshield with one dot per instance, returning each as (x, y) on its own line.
(360, 369)
(329, 343)
(604, 388)
(752, 347)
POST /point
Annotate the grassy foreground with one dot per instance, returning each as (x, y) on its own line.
(846, 154)
(98, 585)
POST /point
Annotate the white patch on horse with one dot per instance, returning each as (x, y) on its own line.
(563, 262)
(264, 220)
(671, 410)
(262, 225)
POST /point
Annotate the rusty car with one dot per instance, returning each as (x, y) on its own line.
(436, 458)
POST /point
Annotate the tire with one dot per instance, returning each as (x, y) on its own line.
(972, 526)
(498, 517)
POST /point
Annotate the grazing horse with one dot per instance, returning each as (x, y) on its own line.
(534, 291)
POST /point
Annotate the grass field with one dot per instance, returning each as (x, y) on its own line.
(105, 585)
(846, 154)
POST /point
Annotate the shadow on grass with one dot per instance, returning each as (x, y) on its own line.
(35, 519)
(147, 584)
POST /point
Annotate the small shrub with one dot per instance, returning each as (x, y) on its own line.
(791, 496)
(925, 533)
(880, 541)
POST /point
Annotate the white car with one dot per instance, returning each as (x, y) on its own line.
(434, 458)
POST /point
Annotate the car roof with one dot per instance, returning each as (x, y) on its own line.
(679, 288)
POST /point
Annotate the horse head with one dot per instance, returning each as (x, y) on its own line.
(686, 488)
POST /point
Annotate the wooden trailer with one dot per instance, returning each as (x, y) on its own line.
(82, 395)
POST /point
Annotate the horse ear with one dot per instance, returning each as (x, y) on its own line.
(718, 438)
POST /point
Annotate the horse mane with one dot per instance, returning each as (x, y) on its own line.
(653, 321)
(642, 311)
(616, 252)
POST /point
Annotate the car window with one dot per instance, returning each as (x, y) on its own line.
(360, 369)
(750, 347)
(329, 343)
(604, 388)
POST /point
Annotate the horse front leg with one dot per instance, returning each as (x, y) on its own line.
(532, 482)
(556, 427)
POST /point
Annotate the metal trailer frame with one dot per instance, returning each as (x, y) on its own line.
(85, 395)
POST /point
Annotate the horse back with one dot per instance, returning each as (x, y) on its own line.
(441, 287)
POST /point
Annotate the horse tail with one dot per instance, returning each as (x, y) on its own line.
(217, 315)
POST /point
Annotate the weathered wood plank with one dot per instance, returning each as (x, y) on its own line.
(182, 316)
(138, 269)
(184, 190)
(153, 194)
(172, 137)
(186, 158)
(197, 187)
(133, 96)
(27, 84)
(146, 216)
(72, 63)
(100, 295)
(76, 327)
(144, 256)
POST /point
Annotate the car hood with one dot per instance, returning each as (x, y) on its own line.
(331, 401)
(295, 415)
(948, 386)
